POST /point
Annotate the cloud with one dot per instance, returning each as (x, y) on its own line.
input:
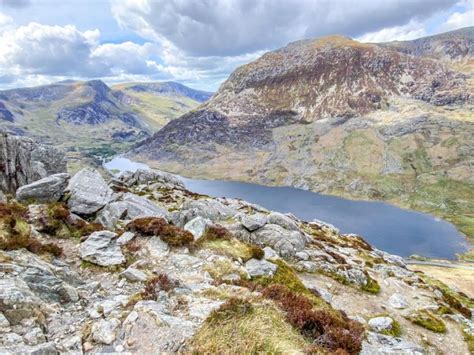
(411, 30)
(15, 3)
(36, 51)
(460, 19)
(5, 22)
(234, 27)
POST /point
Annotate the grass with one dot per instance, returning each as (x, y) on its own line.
(372, 286)
(239, 327)
(220, 240)
(395, 330)
(428, 320)
(222, 267)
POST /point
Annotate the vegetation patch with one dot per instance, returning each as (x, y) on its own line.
(334, 333)
(223, 267)
(155, 226)
(15, 232)
(239, 327)
(221, 241)
(428, 320)
(372, 286)
(153, 286)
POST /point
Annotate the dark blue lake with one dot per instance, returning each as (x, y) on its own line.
(393, 229)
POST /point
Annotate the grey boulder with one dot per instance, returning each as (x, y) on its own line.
(88, 192)
(257, 267)
(253, 222)
(48, 189)
(282, 220)
(285, 242)
(197, 226)
(380, 324)
(101, 248)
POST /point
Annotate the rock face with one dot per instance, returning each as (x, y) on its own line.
(101, 248)
(22, 161)
(88, 192)
(397, 123)
(155, 290)
(48, 189)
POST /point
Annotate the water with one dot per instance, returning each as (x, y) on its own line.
(395, 230)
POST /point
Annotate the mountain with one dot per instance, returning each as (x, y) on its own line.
(337, 116)
(89, 118)
(158, 102)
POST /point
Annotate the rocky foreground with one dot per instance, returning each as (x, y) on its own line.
(142, 265)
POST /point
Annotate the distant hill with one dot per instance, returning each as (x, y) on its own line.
(91, 118)
(156, 103)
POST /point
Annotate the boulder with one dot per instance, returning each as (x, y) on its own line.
(88, 192)
(285, 242)
(23, 161)
(282, 220)
(384, 344)
(48, 189)
(104, 330)
(134, 275)
(397, 301)
(40, 349)
(101, 248)
(253, 222)
(379, 324)
(257, 267)
(197, 226)
(17, 300)
(208, 208)
(270, 253)
(142, 176)
(127, 207)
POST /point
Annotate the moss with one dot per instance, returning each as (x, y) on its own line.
(395, 331)
(287, 277)
(372, 286)
(239, 327)
(469, 339)
(98, 268)
(428, 320)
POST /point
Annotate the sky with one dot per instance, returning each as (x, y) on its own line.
(195, 42)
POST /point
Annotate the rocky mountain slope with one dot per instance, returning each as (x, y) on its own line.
(385, 121)
(91, 119)
(158, 102)
(141, 265)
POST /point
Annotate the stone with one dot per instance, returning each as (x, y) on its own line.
(101, 248)
(24, 161)
(208, 208)
(34, 337)
(40, 349)
(125, 238)
(270, 253)
(4, 323)
(142, 176)
(104, 330)
(253, 222)
(127, 207)
(282, 220)
(48, 189)
(397, 301)
(88, 192)
(134, 275)
(302, 255)
(376, 344)
(257, 267)
(197, 226)
(285, 242)
(379, 324)
(3, 198)
(17, 300)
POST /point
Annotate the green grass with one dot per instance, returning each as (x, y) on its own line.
(428, 320)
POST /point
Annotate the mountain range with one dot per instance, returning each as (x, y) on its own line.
(92, 118)
(391, 121)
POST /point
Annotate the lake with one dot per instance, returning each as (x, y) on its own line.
(387, 227)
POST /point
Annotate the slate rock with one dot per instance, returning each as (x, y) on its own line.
(101, 248)
(48, 189)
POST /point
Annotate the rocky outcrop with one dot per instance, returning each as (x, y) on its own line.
(22, 161)
(101, 248)
(48, 189)
(88, 192)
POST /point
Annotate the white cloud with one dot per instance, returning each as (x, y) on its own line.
(460, 19)
(411, 30)
(234, 27)
(5, 22)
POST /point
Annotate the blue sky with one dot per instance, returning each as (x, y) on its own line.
(198, 43)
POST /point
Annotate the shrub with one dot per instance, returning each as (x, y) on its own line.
(323, 326)
(372, 286)
(160, 282)
(154, 226)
